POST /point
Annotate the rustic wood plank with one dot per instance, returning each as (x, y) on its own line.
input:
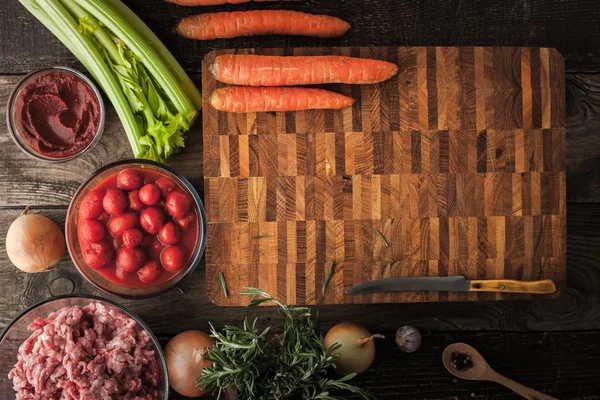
(577, 309)
(583, 114)
(562, 365)
(27, 181)
(567, 361)
(458, 197)
(535, 359)
(24, 178)
(374, 22)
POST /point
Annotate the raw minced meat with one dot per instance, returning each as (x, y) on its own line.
(86, 353)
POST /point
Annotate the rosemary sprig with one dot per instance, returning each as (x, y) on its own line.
(262, 236)
(223, 284)
(264, 365)
(329, 276)
(385, 242)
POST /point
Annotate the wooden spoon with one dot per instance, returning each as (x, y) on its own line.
(481, 371)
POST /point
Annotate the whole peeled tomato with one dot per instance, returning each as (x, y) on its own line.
(152, 219)
(155, 247)
(90, 230)
(149, 194)
(173, 258)
(115, 202)
(185, 356)
(122, 274)
(91, 206)
(169, 233)
(187, 219)
(165, 185)
(178, 203)
(135, 203)
(104, 217)
(98, 255)
(132, 238)
(117, 242)
(119, 224)
(130, 179)
(149, 272)
(130, 260)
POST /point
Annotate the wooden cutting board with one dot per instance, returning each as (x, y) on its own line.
(459, 161)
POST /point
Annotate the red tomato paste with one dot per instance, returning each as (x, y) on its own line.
(58, 114)
(138, 228)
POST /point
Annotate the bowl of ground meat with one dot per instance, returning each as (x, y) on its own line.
(68, 348)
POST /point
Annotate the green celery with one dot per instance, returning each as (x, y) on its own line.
(165, 128)
(137, 24)
(64, 28)
(154, 97)
(115, 21)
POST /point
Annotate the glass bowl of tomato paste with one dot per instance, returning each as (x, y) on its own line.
(136, 228)
(55, 114)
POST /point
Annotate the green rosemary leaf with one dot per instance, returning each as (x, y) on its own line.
(223, 284)
(262, 236)
(329, 276)
(272, 363)
(385, 242)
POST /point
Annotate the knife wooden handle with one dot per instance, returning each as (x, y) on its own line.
(511, 286)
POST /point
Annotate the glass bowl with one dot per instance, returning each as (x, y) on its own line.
(13, 126)
(16, 333)
(97, 279)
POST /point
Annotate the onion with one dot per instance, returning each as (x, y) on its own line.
(357, 349)
(185, 361)
(34, 243)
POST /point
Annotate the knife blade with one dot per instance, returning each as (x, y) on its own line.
(452, 284)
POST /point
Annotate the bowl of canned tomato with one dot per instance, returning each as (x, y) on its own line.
(136, 228)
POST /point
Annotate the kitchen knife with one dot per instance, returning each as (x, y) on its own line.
(452, 284)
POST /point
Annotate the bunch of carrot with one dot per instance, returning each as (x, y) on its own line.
(261, 77)
(261, 80)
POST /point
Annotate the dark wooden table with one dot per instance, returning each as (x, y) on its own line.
(552, 345)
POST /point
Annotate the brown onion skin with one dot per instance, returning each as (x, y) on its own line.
(353, 356)
(184, 355)
(34, 242)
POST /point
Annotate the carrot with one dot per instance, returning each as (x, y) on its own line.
(260, 22)
(209, 2)
(242, 99)
(254, 70)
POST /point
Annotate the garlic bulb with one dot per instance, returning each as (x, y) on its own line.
(408, 338)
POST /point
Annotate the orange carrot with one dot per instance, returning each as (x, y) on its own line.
(209, 2)
(254, 70)
(260, 22)
(242, 99)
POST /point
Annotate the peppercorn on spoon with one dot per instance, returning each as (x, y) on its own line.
(479, 370)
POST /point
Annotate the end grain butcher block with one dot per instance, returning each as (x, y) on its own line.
(459, 161)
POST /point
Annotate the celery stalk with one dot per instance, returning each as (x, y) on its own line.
(114, 21)
(137, 24)
(62, 27)
(107, 42)
(145, 85)
(164, 123)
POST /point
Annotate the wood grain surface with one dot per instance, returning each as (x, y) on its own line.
(421, 375)
(569, 26)
(563, 364)
(459, 162)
